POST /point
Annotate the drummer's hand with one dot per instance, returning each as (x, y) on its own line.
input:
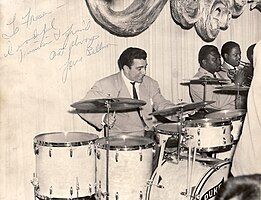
(109, 119)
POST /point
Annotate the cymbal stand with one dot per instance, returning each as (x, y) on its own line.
(204, 90)
(107, 134)
(180, 128)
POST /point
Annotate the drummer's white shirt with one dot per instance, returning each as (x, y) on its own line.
(129, 85)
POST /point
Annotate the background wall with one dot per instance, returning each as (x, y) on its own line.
(52, 52)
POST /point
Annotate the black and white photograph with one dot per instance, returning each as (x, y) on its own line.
(130, 100)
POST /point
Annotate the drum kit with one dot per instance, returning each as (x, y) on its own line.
(79, 165)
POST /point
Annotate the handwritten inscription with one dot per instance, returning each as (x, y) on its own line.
(75, 42)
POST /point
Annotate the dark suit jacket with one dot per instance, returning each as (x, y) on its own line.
(126, 122)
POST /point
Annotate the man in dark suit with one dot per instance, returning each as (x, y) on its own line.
(132, 64)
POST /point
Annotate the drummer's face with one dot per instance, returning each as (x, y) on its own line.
(136, 71)
(213, 62)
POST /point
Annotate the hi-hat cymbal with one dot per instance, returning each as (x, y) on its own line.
(206, 80)
(101, 105)
(182, 107)
(235, 88)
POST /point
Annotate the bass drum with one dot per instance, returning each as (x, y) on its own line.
(169, 181)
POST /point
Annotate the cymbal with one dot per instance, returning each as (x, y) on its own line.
(235, 88)
(227, 114)
(114, 104)
(206, 80)
(182, 107)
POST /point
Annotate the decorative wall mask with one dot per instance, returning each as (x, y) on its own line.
(207, 16)
(186, 12)
(215, 17)
(129, 22)
(255, 4)
(237, 7)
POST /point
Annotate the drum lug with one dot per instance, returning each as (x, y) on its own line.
(90, 149)
(140, 154)
(51, 190)
(36, 149)
(71, 152)
(117, 196)
(50, 152)
(71, 191)
(224, 140)
(90, 189)
(98, 155)
(35, 182)
(198, 131)
(77, 186)
(199, 142)
(117, 155)
(141, 195)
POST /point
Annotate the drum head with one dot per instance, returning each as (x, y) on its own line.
(125, 142)
(207, 122)
(227, 114)
(168, 128)
(64, 139)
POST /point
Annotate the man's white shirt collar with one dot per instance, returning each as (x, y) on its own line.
(129, 85)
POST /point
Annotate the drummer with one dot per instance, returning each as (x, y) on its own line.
(130, 82)
(210, 64)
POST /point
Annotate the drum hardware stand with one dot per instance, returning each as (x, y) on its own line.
(35, 184)
(107, 130)
(180, 131)
(190, 169)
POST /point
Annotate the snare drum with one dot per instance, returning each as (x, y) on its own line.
(65, 165)
(169, 181)
(208, 134)
(129, 166)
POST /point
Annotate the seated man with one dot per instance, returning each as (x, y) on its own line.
(129, 82)
(231, 54)
(231, 69)
(210, 64)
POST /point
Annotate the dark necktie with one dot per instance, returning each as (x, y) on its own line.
(134, 91)
(135, 96)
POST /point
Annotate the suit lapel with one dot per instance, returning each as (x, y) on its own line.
(121, 87)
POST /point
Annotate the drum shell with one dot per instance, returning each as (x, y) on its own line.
(167, 131)
(129, 171)
(206, 136)
(237, 118)
(169, 180)
(65, 171)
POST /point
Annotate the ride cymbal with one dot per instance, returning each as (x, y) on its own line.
(102, 105)
(206, 80)
(233, 88)
(182, 107)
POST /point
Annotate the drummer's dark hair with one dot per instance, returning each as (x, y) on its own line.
(226, 48)
(242, 187)
(127, 56)
(205, 51)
